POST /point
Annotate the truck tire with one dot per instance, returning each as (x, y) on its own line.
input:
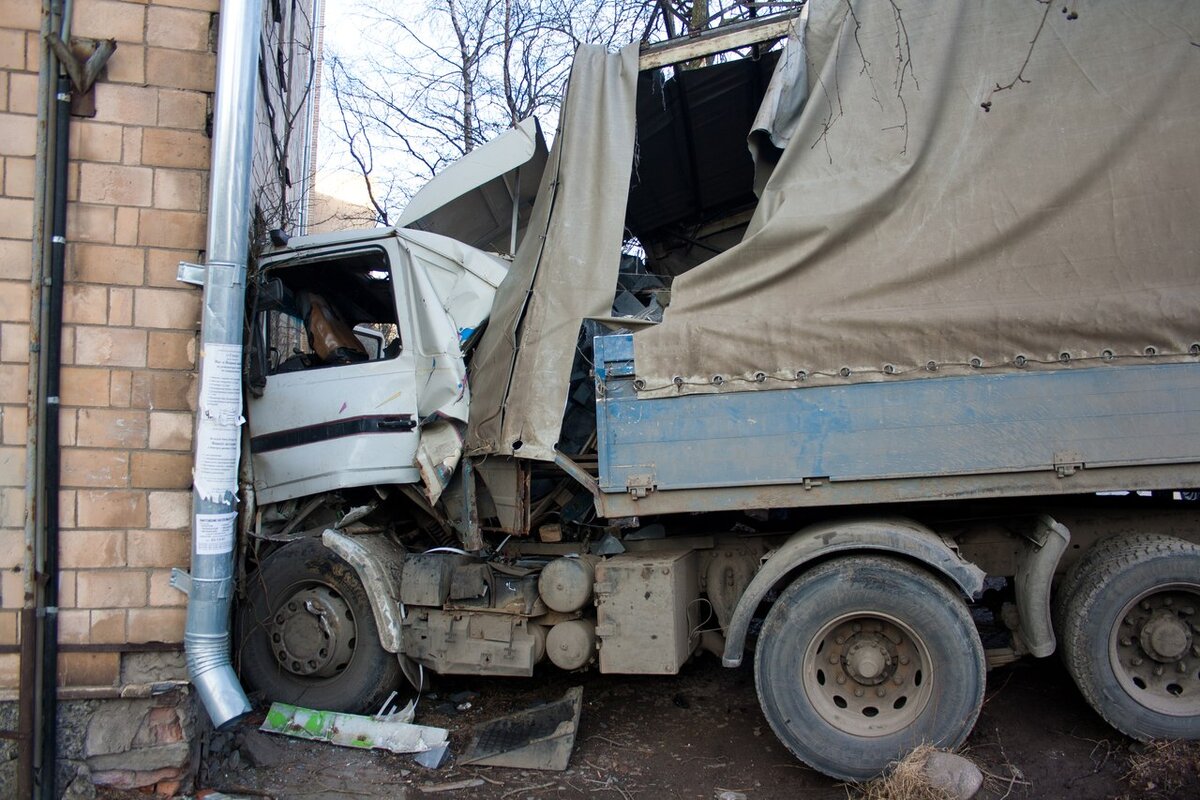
(1097, 554)
(863, 659)
(307, 636)
(1130, 637)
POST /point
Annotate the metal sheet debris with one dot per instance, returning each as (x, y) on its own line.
(537, 738)
(394, 732)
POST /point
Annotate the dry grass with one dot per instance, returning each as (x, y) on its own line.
(905, 781)
(1165, 769)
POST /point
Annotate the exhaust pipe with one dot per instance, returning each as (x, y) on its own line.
(218, 423)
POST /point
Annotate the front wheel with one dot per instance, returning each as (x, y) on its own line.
(307, 634)
(865, 658)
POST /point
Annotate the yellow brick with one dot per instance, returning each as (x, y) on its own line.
(95, 141)
(153, 470)
(177, 28)
(181, 149)
(84, 387)
(68, 422)
(168, 509)
(12, 522)
(14, 302)
(15, 259)
(3, 94)
(23, 93)
(170, 350)
(120, 306)
(162, 266)
(12, 466)
(12, 383)
(111, 509)
(66, 588)
(112, 427)
(90, 223)
(105, 19)
(18, 177)
(21, 14)
(104, 469)
(127, 105)
(156, 624)
(116, 347)
(66, 515)
(120, 389)
(85, 304)
(12, 589)
(102, 264)
(108, 626)
(182, 109)
(74, 626)
(132, 147)
(171, 431)
(14, 420)
(159, 548)
(181, 69)
(127, 226)
(33, 47)
(12, 49)
(10, 670)
(162, 593)
(166, 308)
(88, 669)
(178, 189)
(127, 65)
(18, 134)
(92, 549)
(116, 185)
(199, 5)
(9, 624)
(170, 391)
(16, 218)
(178, 229)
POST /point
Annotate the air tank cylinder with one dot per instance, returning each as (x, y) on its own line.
(566, 583)
(571, 644)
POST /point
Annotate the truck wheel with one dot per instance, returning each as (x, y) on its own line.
(863, 659)
(1131, 638)
(307, 634)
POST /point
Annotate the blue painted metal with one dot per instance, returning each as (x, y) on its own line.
(1105, 416)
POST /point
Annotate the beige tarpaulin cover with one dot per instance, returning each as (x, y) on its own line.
(907, 228)
(565, 268)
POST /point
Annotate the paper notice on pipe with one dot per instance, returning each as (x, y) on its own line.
(218, 433)
(214, 533)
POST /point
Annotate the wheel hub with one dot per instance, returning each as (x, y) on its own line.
(313, 633)
(869, 660)
(1154, 650)
(1165, 637)
(867, 674)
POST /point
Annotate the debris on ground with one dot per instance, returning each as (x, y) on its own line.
(394, 732)
(537, 738)
(1165, 769)
(926, 774)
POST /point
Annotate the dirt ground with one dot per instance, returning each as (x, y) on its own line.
(697, 735)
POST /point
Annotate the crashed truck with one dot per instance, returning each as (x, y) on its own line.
(872, 359)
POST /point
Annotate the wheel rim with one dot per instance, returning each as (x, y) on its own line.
(1154, 649)
(868, 674)
(313, 632)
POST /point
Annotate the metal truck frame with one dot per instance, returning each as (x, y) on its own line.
(854, 539)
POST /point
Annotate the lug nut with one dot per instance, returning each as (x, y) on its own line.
(833, 659)
(1158, 671)
(903, 659)
(881, 692)
(856, 627)
(898, 680)
(858, 692)
(841, 679)
(1126, 641)
(1136, 662)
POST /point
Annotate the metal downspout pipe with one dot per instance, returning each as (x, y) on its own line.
(218, 425)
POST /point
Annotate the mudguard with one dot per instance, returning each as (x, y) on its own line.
(901, 536)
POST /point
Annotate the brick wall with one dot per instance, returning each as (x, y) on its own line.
(138, 186)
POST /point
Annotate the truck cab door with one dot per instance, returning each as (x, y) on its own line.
(334, 408)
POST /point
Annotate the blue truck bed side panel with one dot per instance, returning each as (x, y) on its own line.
(1013, 422)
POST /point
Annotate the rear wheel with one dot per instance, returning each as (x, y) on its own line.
(1131, 637)
(865, 658)
(308, 636)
